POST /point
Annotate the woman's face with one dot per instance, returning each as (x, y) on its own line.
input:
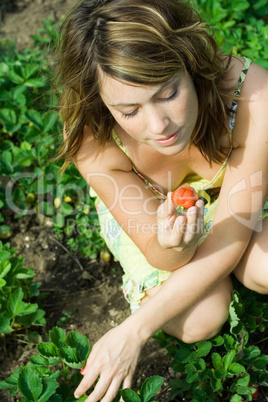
(161, 116)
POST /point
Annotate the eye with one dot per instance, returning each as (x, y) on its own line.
(129, 115)
(169, 98)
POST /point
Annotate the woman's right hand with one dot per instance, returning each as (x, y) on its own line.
(179, 231)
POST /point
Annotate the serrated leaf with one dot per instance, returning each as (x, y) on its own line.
(11, 381)
(261, 362)
(17, 79)
(216, 360)
(251, 352)
(30, 384)
(236, 398)
(5, 319)
(236, 368)
(150, 387)
(5, 266)
(228, 359)
(48, 350)
(203, 348)
(50, 387)
(35, 82)
(39, 360)
(57, 336)
(8, 116)
(130, 396)
(35, 117)
(80, 343)
(192, 377)
(49, 120)
(69, 356)
(28, 70)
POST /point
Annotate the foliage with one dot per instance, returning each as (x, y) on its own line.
(229, 366)
(49, 376)
(239, 26)
(30, 130)
(17, 288)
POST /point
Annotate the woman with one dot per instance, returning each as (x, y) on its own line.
(150, 104)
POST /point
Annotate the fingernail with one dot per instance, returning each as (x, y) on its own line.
(76, 396)
(83, 371)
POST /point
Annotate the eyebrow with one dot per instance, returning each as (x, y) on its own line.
(161, 87)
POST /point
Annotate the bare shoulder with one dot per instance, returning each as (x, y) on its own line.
(91, 157)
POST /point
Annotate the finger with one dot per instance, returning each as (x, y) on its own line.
(86, 383)
(112, 390)
(127, 382)
(200, 216)
(191, 227)
(178, 230)
(100, 389)
(166, 208)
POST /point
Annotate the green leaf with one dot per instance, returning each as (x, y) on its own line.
(17, 79)
(8, 116)
(236, 368)
(4, 255)
(2, 283)
(11, 381)
(203, 348)
(15, 304)
(4, 69)
(35, 117)
(35, 82)
(192, 377)
(50, 387)
(216, 360)
(261, 362)
(49, 120)
(236, 398)
(80, 343)
(228, 359)
(5, 319)
(4, 95)
(28, 70)
(30, 384)
(69, 356)
(150, 387)
(57, 336)
(130, 396)
(229, 341)
(48, 350)
(251, 352)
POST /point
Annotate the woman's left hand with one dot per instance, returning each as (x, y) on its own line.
(113, 359)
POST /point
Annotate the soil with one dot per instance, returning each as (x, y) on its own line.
(84, 294)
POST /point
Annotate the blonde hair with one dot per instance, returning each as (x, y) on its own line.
(144, 42)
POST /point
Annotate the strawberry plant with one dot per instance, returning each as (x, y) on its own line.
(51, 376)
(239, 27)
(16, 290)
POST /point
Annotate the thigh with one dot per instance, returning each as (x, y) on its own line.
(252, 269)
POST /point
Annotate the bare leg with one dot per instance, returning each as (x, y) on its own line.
(252, 269)
(205, 319)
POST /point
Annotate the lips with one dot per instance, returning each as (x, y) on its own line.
(168, 140)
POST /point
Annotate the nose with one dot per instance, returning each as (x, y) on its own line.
(158, 120)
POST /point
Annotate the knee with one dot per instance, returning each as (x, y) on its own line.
(200, 334)
(205, 327)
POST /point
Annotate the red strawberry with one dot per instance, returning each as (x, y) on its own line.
(185, 196)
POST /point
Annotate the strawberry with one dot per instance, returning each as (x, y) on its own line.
(184, 197)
